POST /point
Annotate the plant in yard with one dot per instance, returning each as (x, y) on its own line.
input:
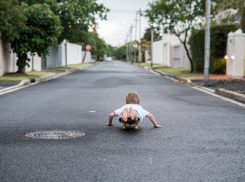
(41, 30)
(12, 20)
(177, 17)
(243, 19)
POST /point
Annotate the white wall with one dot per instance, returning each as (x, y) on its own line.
(147, 56)
(158, 52)
(170, 52)
(8, 60)
(88, 58)
(179, 57)
(235, 47)
(74, 53)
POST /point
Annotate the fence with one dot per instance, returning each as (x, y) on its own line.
(59, 55)
(235, 65)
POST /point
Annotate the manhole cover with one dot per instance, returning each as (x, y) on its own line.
(56, 134)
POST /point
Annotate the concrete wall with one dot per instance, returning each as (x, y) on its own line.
(4, 57)
(158, 52)
(8, 60)
(147, 56)
(170, 52)
(235, 65)
(88, 58)
(179, 57)
(55, 56)
(74, 53)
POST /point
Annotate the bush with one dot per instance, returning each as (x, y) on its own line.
(217, 47)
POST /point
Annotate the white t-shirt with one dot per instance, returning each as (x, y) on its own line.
(136, 107)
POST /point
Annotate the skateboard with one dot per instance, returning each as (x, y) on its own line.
(130, 122)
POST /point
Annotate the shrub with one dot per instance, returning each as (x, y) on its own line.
(217, 47)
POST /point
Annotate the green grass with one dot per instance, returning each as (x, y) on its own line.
(147, 64)
(19, 76)
(181, 72)
(78, 65)
(240, 92)
(69, 67)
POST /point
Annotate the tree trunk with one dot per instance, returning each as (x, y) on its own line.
(21, 70)
(187, 52)
(188, 55)
(84, 56)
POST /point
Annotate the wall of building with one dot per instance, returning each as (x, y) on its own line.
(74, 53)
(170, 52)
(88, 58)
(158, 52)
(179, 57)
(235, 65)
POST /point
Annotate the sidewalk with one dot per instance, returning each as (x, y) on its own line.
(224, 85)
(6, 85)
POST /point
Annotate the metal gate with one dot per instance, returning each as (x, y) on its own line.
(44, 62)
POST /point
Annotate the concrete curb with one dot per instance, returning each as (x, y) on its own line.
(172, 76)
(231, 95)
(222, 92)
(43, 78)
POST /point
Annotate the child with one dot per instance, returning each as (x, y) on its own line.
(132, 111)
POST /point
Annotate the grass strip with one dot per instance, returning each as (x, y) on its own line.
(181, 72)
(20, 76)
(147, 64)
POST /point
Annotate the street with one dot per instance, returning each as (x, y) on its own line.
(202, 138)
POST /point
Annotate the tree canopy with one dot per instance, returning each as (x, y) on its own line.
(177, 17)
(11, 20)
(41, 31)
(76, 16)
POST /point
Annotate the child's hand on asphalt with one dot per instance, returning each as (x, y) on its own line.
(109, 124)
(158, 126)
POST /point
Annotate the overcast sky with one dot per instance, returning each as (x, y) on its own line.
(121, 11)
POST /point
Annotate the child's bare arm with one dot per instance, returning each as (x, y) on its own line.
(110, 119)
(149, 115)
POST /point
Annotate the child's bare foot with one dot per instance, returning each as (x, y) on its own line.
(132, 113)
(125, 115)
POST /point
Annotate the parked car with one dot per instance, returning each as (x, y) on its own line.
(108, 59)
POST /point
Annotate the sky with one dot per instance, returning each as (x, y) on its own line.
(121, 11)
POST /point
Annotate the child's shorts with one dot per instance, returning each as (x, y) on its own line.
(137, 115)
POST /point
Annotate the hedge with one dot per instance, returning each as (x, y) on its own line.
(217, 47)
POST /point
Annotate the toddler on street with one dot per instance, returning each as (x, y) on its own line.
(132, 111)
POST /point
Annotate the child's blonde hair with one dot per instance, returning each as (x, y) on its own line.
(132, 98)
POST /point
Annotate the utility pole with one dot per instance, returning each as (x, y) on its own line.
(131, 32)
(152, 39)
(207, 44)
(135, 38)
(139, 35)
(126, 47)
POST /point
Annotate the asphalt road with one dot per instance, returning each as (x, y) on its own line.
(203, 138)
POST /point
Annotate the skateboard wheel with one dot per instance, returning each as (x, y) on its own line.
(136, 127)
(123, 127)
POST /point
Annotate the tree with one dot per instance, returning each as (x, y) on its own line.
(177, 17)
(145, 45)
(234, 4)
(147, 35)
(98, 45)
(76, 16)
(243, 19)
(11, 20)
(41, 31)
(121, 52)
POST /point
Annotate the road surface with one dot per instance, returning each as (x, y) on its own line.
(203, 138)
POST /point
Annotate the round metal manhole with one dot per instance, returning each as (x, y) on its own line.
(56, 134)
